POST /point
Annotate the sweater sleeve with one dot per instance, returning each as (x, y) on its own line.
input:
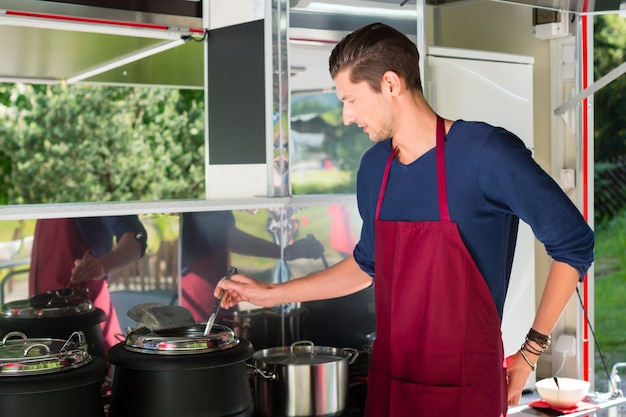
(119, 225)
(369, 178)
(512, 182)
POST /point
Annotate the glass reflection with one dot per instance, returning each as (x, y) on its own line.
(263, 244)
(324, 153)
(188, 252)
(80, 253)
(274, 245)
(49, 248)
(16, 241)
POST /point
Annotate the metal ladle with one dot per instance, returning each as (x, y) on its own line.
(216, 307)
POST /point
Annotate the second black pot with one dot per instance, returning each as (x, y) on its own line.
(68, 393)
(61, 326)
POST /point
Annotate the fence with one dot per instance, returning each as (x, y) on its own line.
(610, 188)
(155, 271)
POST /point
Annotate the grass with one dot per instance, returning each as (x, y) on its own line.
(610, 293)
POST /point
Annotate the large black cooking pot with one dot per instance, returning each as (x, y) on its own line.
(56, 314)
(50, 377)
(180, 372)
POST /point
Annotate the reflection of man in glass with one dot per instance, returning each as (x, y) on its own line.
(281, 162)
(207, 238)
(80, 252)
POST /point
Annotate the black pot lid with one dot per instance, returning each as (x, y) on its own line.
(180, 340)
(20, 355)
(62, 302)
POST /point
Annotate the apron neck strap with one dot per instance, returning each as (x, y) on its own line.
(444, 213)
(383, 184)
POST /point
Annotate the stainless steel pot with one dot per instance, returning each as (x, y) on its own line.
(301, 380)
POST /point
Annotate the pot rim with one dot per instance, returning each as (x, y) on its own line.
(305, 352)
(180, 340)
(121, 357)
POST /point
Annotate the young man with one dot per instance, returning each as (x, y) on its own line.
(440, 202)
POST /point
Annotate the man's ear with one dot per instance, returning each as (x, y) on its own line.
(391, 83)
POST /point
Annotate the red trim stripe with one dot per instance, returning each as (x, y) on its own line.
(585, 175)
(76, 19)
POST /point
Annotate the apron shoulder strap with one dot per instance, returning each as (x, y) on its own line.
(383, 184)
(444, 212)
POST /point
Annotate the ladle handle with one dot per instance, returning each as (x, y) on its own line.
(218, 302)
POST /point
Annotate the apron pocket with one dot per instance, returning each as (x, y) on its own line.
(429, 400)
(396, 398)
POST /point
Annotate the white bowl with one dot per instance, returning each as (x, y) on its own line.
(569, 392)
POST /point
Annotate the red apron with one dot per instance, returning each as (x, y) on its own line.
(438, 348)
(198, 284)
(57, 243)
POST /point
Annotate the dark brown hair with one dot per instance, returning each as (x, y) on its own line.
(371, 51)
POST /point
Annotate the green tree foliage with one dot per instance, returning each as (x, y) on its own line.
(609, 118)
(610, 102)
(89, 143)
(5, 161)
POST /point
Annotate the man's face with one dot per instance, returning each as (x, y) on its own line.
(369, 109)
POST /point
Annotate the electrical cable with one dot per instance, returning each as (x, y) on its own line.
(595, 339)
(194, 38)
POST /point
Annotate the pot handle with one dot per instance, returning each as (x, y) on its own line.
(268, 376)
(37, 345)
(302, 342)
(13, 334)
(352, 354)
(79, 335)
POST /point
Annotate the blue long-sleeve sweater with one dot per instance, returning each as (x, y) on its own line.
(492, 183)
